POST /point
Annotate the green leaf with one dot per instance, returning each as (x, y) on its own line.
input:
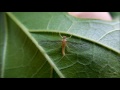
(21, 57)
(31, 46)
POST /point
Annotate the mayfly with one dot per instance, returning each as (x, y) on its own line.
(75, 47)
(64, 43)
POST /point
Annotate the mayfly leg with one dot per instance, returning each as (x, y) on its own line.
(62, 36)
(69, 37)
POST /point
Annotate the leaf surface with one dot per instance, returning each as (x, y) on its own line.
(32, 48)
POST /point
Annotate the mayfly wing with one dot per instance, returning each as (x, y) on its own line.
(77, 47)
(49, 44)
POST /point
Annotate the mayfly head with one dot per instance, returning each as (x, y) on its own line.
(64, 37)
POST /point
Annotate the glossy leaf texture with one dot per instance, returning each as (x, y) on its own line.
(31, 46)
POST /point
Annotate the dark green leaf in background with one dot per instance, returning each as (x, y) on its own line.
(29, 46)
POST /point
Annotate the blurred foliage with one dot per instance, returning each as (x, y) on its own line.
(115, 15)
